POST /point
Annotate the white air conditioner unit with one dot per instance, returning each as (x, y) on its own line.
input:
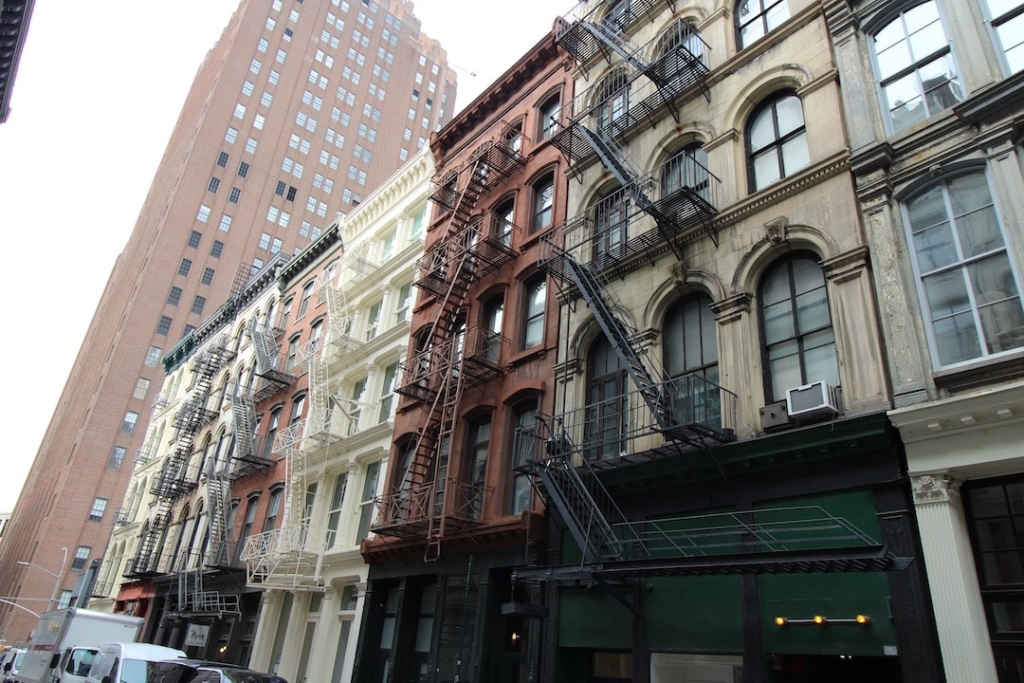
(817, 399)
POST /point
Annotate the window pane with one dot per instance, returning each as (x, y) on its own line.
(795, 155)
(893, 58)
(941, 87)
(928, 39)
(790, 114)
(1011, 36)
(947, 294)
(776, 15)
(766, 169)
(921, 16)
(956, 339)
(762, 132)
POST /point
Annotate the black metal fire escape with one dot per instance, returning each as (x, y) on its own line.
(428, 503)
(174, 479)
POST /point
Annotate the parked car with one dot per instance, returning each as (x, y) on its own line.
(12, 661)
(129, 662)
(201, 671)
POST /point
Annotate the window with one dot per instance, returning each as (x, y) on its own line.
(154, 354)
(533, 320)
(243, 169)
(334, 513)
(373, 319)
(198, 304)
(607, 405)
(65, 599)
(204, 213)
(141, 388)
(116, 457)
(293, 351)
(128, 423)
(307, 293)
(174, 296)
(915, 66)
(799, 345)
(99, 506)
(493, 316)
(250, 518)
(613, 103)
(524, 449)
(543, 203)
(755, 18)
(225, 223)
(216, 249)
(272, 426)
(691, 359)
(1007, 19)
(992, 509)
(403, 309)
(476, 462)
(366, 500)
(207, 276)
(776, 140)
(549, 113)
(164, 326)
(687, 168)
(235, 195)
(213, 185)
(610, 227)
(969, 290)
(81, 557)
(184, 267)
(193, 239)
(387, 392)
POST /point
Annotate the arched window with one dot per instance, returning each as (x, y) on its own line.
(612, 103)
(687, 168)
(524, 450)
(272, 426)
(534, 306)
(799, 343)
(549, 113)
(475, 463)
(755, 18)
(503, 223)
(683, 39)
(970, 293)
(611, 224)
(543, 202)
(691, 339)
(915, 66)
(776, 140)
(492, 318)
(607, 406)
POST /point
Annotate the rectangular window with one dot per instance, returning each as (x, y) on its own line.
(198, 304)
(207, 276)
(307, 294)
(174, 296)
(533, 325)
(258, 122)
(164, 326)
(97, 510)
(81, 556)
(194, 238)
(243, 169)
(222, 158)
(128, 423)
(235, 195)
(213, 185)
(154, 354)
(403, 308)
(250, 145)
(184, 267)
(116, 457)
(373, 320)
(230, 136)
(334, 513)
(216, 249)
(239, 110)
(141, 388)
(366, 503)
(204, 213)
(387, 393)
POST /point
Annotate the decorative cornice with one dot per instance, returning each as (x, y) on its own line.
(732, 308)
(994, 102)
(846, 266)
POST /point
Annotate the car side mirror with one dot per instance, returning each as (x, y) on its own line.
(54, 660)
(108, 679)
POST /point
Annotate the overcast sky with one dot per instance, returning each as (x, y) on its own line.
(97, 92)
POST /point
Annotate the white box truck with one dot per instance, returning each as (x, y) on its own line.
(65, 642)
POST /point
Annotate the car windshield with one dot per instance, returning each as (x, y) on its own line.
(80, 661)
(18, 658)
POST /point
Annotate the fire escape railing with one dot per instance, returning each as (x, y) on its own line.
(427, 504)
(175, 479)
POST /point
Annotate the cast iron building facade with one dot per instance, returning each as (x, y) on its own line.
(297, 108)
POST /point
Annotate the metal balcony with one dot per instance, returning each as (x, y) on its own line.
(410, 512)
(623, 430)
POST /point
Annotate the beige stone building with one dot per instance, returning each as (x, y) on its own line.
(932, 100)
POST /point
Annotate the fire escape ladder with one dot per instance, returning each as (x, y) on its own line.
(586, 507)
(217, 490)
(144, 563)
(619, 337)
(265, 346)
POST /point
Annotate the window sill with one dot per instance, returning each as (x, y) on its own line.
(981, 372)
(532, 353)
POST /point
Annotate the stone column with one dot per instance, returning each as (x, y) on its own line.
(266, 627)
(959, 613)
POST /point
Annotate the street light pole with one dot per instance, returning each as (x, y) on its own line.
(59, 576)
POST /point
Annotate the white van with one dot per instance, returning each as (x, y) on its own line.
(128, 662)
